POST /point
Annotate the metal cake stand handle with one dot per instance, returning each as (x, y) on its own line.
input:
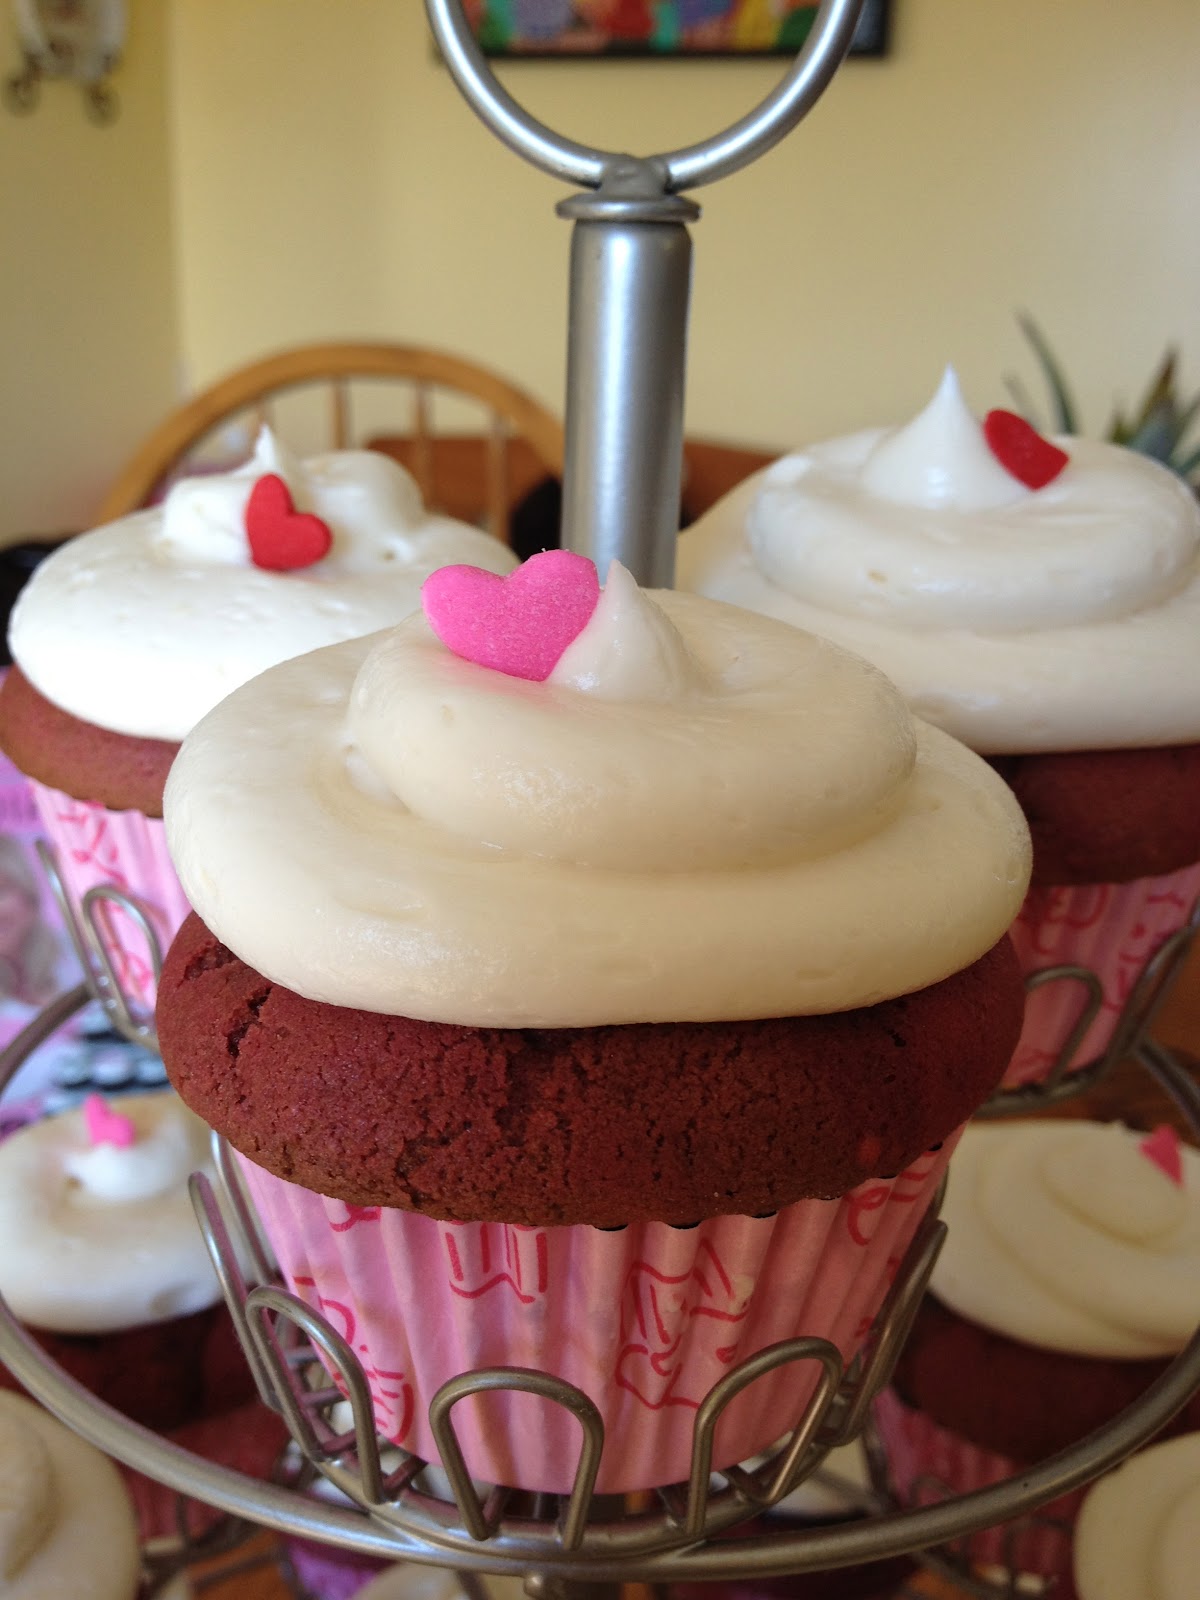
(630, 277)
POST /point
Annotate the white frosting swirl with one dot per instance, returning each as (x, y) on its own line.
(143, 625)
(1017, 619)
(98, 1238)
(1065, 1235)
(1138, 1532)
(66, 1524)
(701, 815)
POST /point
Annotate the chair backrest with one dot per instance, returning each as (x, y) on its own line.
(502, 440)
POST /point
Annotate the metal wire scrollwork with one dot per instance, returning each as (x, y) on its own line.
(89, 928)
(1150, 989)
(401, 1509)
(307, 1371)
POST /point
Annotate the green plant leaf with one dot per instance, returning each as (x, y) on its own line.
(1189, 466)
(1064, 420)
(1157, 433)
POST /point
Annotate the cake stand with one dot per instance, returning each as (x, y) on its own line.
(630, 268)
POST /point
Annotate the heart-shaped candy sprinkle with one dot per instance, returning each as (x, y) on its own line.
(105, 1126)
(1021, 450)
(519, 625)
(282, 539)
(1162, 1147)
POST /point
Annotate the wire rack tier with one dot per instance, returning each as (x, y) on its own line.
(397, 1508)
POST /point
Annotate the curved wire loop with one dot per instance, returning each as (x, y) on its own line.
(686, 168)
(90, 929)
(1068, 1077)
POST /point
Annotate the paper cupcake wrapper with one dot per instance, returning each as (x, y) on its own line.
(928, 1463)
(124, 850)
(644, 1320)
(329, 1574)
(1111, 928)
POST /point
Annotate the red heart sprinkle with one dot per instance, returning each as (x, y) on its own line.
(1021, 450)
(1162, 1147)
(282, 539)
(519, 625)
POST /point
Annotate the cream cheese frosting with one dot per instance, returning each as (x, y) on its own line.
(143, 625)
(1138, 1532)
(66, 1524)
(1065, 617)
(1065, 1235)
(94, 1238)
(700, 815)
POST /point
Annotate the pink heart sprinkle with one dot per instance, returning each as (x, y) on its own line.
(105, 1126)
(519, 625)
(1162, 1147)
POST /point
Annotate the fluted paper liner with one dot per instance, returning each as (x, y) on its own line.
(644, 1320)
(1113, 929)
(928, 1463)
(124, 850)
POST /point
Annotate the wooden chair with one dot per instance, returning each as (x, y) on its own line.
(502, 441)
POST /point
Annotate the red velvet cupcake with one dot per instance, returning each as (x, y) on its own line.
(592, 983)
(1069, 1279)
(125, 636)
(1040, 600)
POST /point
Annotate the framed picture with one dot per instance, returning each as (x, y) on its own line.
(659, 29)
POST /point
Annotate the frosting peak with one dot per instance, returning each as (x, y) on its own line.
(699, 815)
(144, 625)
(940, 459)
(1062, 617)
(1066, 1235)
(643, 750)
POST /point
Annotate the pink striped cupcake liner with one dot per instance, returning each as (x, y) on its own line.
(928, 1463)
(1113, 929)
(123, 850)
(644, 1319)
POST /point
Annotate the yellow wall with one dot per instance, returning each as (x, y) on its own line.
(1010, 153)
(88, 334)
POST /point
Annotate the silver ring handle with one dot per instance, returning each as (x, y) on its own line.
(753, 135)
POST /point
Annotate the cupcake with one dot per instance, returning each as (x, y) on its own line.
(100, 1256)
(127, 635)
(1040, 600)
(1069, 1278)
(1137, 1531)
(592, 983)
(66, 1526)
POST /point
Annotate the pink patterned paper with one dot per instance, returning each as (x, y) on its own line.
(1113, 928)
(129, 852)
(927, 1463)
(644, 1320)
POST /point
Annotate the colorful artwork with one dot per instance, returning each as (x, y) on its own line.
(659, 28)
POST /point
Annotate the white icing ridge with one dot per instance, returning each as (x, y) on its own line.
(96, 1239)
(143, 625)
(1066, 617)
(700, 815)
(66, 1524)
(1138, 1532)
(1064, 1235)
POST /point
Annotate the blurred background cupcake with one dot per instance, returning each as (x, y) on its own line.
(66, 1524)
(1069, 1279)
(123, 637)
(1139, 1527)
(625, 1090)
(1039, 599)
